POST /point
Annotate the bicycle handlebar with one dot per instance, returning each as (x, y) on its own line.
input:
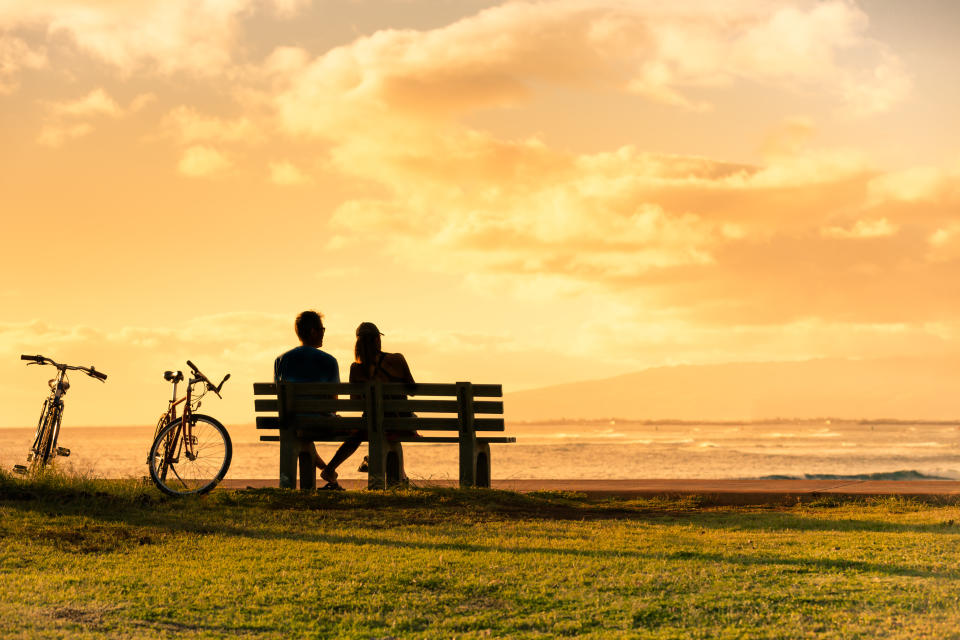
(90, 371)
(202, 378)
(96, 374)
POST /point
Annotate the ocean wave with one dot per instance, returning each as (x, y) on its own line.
(910, 474)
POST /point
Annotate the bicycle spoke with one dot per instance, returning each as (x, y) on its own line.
(202, 456)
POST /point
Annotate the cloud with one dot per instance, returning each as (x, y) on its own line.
(458, 200)
(662, 51)
(96, 103)
(863, 229)
(55, 135)
(201, 161)
(945, 244)
(168, 37)
(15, 56)
(187, 126)
(62, 119)
(287, 174)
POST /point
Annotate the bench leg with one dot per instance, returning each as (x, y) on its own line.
(393, 464)
(483, 465)
(308, 470)
(289, 451)
(377, 463)
(474, 464)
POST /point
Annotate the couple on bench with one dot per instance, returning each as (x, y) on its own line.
(307, 363)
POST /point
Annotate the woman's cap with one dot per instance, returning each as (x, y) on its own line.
(367, 328)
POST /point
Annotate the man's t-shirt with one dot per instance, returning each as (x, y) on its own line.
(306, 364)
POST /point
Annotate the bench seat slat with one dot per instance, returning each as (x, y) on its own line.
(428, 439)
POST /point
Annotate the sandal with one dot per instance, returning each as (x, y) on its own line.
(332, 486)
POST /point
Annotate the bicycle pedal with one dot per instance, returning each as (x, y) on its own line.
(19, 468)
(63, 451)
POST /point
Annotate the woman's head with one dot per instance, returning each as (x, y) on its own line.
(368, 343)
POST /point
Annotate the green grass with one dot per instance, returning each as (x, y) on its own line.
(94, 558)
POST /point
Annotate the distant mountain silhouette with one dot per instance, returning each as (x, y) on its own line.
(898, 388)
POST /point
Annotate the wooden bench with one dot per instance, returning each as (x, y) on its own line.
(304, 412)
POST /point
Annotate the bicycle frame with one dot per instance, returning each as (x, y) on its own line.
(184, 433)
(53, 403)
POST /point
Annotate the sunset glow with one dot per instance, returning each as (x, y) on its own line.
(522, 192)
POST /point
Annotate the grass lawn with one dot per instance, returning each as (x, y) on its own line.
(91, 558)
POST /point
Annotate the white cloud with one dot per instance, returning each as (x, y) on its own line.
(188, 126)
(96, 103)
(70, 119)
(495, 57)
(15, 56)
(199, 37)
(880, 228)
(55, 135)
(201, 161)
(945, 244)
(287, 174)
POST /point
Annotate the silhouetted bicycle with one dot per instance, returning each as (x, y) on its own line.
(190, 453)
(48, 428)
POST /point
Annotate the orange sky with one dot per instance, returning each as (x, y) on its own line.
(521, 192)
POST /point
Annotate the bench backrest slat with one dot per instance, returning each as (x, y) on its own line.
(311, 388)
(309, 404)
(440, 406)
(390, 388)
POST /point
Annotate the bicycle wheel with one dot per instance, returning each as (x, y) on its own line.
(178, 473)
(43, 445)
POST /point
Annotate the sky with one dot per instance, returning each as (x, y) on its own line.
(521, 192)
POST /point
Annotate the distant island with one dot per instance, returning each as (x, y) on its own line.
(889, 389)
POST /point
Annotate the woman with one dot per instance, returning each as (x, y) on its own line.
(371, 363)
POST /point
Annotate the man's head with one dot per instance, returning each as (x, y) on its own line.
(309, 327)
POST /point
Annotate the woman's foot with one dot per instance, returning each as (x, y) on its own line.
(365, 465)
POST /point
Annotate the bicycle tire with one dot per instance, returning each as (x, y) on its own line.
(44, 448)
(191, 477)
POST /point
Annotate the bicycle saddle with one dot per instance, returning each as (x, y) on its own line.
(173, 376)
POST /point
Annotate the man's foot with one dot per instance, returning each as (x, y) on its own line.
(365, 465)
(329, 475)
(331, 486)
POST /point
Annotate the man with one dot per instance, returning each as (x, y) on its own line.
(307, 363)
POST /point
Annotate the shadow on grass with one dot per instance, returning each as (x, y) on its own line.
(102, 516)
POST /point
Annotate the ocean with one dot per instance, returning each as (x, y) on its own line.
(588, 449)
